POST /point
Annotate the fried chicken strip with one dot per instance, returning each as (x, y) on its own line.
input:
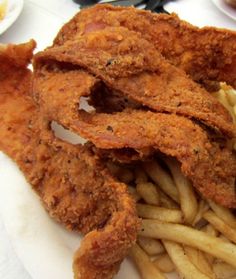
(72, 182)
(210, 167)
(127, 63)
(206, 54)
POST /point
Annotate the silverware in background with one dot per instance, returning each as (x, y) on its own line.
(153, 5)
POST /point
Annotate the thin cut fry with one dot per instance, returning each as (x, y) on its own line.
(140, 175)
(166, 201)
(223, 213)
(134, 193)
(182, 262)
(162, 178)
(224, 238)
(188, 200)
(151, 246)
(164, 263)
(210, 230)
(221, 96)
(191, 237)
(202, 208)
(231, 97)
(224, 270)
(198, 258)
(148, 192)
(220, 225)
(159, 213)
(146, 268)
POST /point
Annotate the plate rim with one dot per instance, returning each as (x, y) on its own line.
(224, 8)
(15, 14)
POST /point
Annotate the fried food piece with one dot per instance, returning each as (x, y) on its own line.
(18, 55)
(15, 79)
(206, 54)
(131, 65)
(203, 161)
(72, 182)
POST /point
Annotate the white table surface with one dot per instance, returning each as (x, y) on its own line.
(41, 19)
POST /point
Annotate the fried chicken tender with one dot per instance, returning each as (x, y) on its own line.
(203, 160)
(72, 182)
(129, 64)
(206, 54)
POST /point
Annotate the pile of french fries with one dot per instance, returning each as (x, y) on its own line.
(227, 96)
(180, 231)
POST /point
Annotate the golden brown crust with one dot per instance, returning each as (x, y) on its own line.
(131, 65)
(204, 53)
(203, 160)
(72, 182)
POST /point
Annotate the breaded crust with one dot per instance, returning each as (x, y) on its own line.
(206, 54)
(73, 183)
(127, 63)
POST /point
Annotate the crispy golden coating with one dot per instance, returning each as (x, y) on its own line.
(206, 54)
(15, 80)
(203, 160)
(72, 182)
(127, 63)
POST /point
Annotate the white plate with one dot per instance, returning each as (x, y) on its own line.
(14, 8)
(43, 247)
(225, 8)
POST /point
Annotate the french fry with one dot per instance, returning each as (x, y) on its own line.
(198, 258)
(231, 97)
(166, 201)
(146, 268)
(210, 230)
(164, 263)
(205, 253)
(221, 96)
(191, 237)
(182, 262)
(134, 193)
(140, 175)
(220, 225)
(162, 179)
(202, 208)
(224, 238)
(151, 246)
(188, 200)
(224, 270)
(148, 192)
(223, 213)
(159, 213)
